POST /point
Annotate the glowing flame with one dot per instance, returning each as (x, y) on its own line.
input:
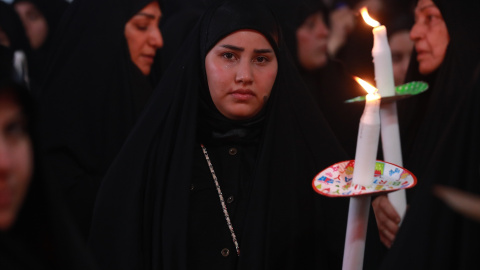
(371, 90)
(368, 19)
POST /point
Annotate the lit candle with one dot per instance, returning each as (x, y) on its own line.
(363, 174)
(368, 136)
(382, 60)
(382, 57)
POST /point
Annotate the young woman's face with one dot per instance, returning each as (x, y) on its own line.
(401, 47)
(312, 37)
(144, 37)
(241, 70)
(430, 35)
(34, 22)
(16, 163)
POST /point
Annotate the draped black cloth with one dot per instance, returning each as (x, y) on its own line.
(92, 96)
(330, 85)
(53, 11)
(43, 235)
(11, 24)
(445, 152)
(142, 210)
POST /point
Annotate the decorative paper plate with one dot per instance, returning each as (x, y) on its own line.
(336, 180)
(402, 91)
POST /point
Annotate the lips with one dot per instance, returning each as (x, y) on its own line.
(149, 57)
(243, 94)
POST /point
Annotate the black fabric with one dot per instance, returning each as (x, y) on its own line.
(329, 85)
(234, 165)
(11, 24)
(92, 96)
(292, 15)
(142, 209)
(43, 235)
(445, 152)
(53, 11)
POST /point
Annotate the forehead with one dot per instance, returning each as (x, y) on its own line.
(246, 38)
(424, 4)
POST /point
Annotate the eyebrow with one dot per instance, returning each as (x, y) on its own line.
(235, 48)
(426, 7)
(151, 16)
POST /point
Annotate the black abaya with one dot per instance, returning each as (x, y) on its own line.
(142, 209)
(445, 152)
(330, 85)
(91, 97)
(53, 11)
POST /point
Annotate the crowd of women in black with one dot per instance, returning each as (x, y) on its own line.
(140, 134)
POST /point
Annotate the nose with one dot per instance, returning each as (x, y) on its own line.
(156, 38)
(322, 29)
(244, 74)
(417, 31)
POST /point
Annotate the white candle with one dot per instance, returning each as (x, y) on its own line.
(363, 174)
(382, 60)
(392, 152)
(356, 233)
(367, 141)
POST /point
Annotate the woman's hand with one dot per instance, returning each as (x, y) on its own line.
(387, 218)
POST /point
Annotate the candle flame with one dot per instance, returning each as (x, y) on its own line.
(368, 87)
(368, 19)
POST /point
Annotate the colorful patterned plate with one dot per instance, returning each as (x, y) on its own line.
(402, 91)
(336, 180)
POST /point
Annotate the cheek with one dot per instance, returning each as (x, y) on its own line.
(439, 42)
(134, 41)
(217, 81)
(21, 176)
(268, 82)
(23, 169)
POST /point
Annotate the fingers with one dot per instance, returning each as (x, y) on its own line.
(387, 219)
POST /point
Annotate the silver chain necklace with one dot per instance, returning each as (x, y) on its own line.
(222, 201)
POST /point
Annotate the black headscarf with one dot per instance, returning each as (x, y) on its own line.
(445, 152)
(53, 11)
(92, 96)
(43, 235)
(331, 84)
(13, 27)
(293, 14)
(141, 213)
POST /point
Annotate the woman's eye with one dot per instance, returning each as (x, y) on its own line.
(16, 129)
(228, 55)
(261, 59)
(142, 27)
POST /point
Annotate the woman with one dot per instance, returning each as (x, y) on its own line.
(14, 42)
(306, 34)
(445, 149)
(97, 84)
(40, 19)
(35, 231)
(232, 99)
